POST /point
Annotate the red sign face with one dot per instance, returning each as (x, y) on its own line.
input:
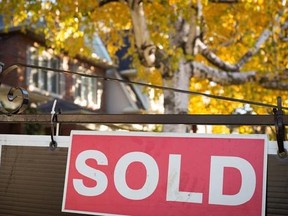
(163, 174)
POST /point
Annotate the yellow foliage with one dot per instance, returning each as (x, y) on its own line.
(230, 31)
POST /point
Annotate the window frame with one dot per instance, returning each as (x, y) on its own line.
(46, 82)
(87, 90)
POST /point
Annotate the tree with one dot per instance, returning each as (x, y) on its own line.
(212, 46)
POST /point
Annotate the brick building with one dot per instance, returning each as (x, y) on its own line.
(74, 93)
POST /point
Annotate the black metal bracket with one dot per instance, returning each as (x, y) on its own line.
(53, 143)
(280, 128)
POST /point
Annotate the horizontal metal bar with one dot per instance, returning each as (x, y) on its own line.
(146, 119)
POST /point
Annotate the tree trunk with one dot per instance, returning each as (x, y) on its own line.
(188, 33)
(175, 102)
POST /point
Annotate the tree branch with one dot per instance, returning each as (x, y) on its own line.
(269, 81)
(145, 47)
(263, 37)
(277, 82)
(253, 50)
(193, 32)
(202, 71)
(224, 74)
(104, 2)
(149, 54)
(215, 60)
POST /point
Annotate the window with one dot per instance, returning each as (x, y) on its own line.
(45, 81)
(88, 90)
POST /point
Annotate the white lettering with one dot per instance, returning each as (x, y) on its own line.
(89, 172)
(248, 184)
(216, 182)
(152, 175)
(173, 181)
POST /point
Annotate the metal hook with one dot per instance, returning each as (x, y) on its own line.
(53, 143)
(280, 128)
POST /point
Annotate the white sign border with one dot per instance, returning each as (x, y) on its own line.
(149, 134)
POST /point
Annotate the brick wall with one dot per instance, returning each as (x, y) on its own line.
(13, 49)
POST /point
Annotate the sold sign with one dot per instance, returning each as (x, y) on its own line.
(147, 174)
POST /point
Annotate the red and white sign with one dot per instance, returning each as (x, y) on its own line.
(146, 174)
